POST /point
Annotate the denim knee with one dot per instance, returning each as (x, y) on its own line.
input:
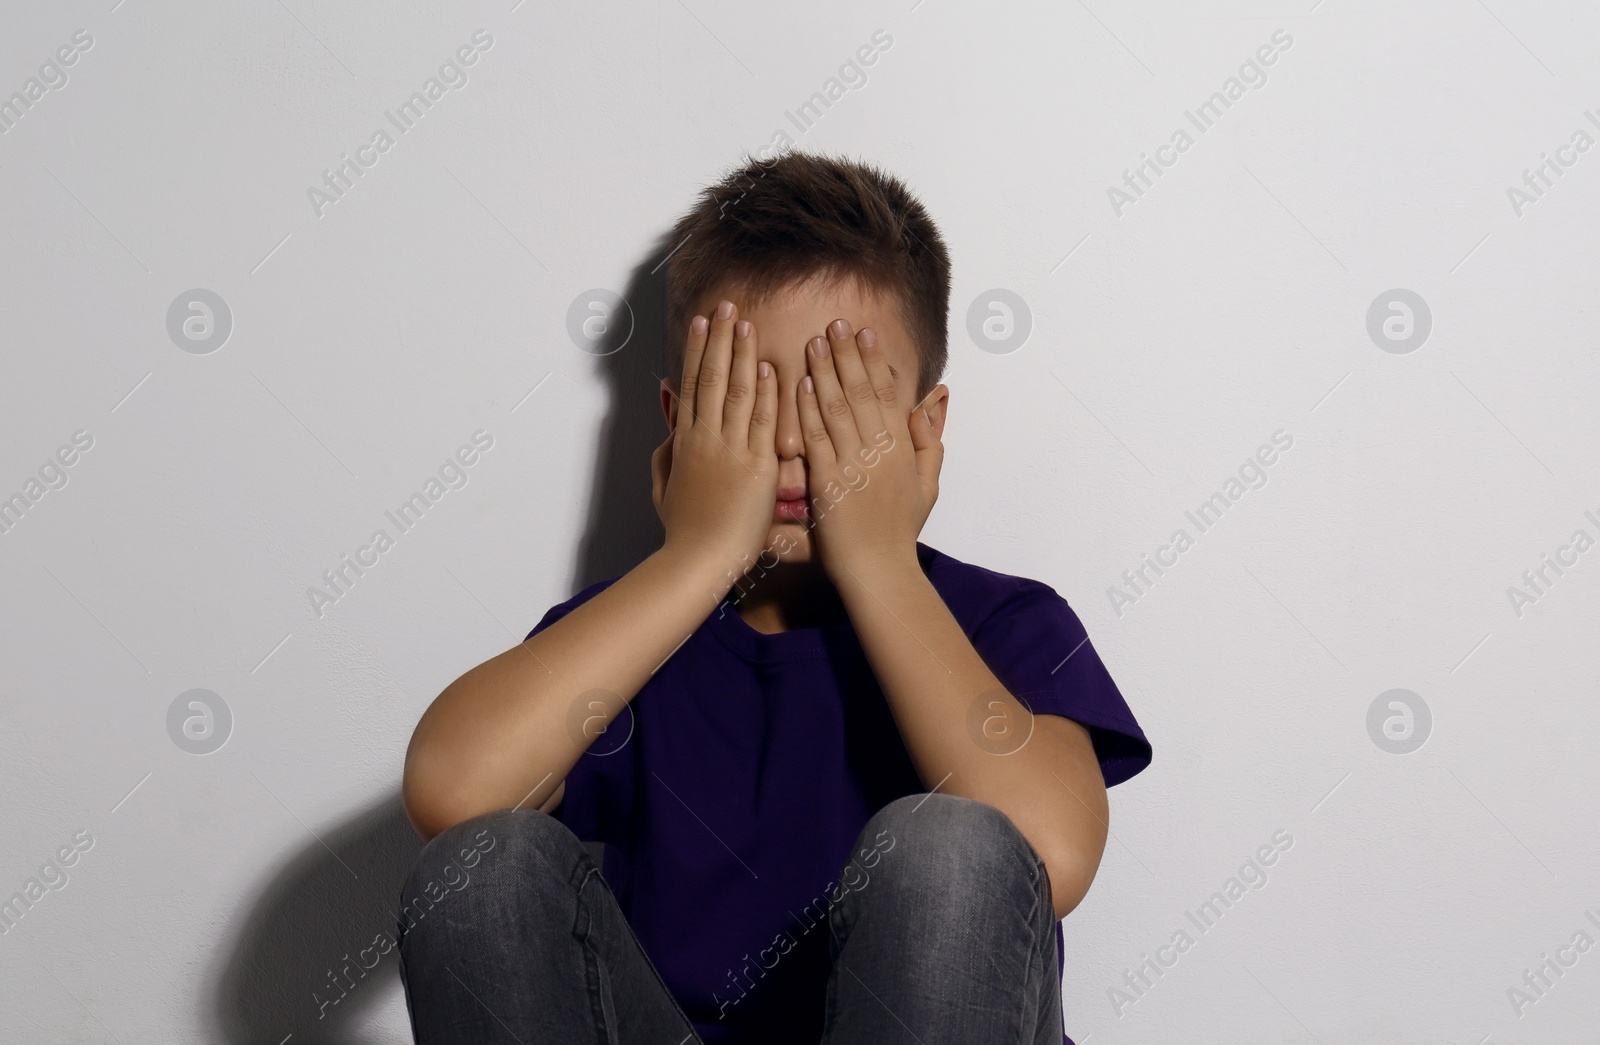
(506, 854)
(936, 846)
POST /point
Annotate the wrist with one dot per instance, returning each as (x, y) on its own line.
(701, 568)
(875, 568)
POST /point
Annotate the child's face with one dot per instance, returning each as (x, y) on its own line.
(784, 323)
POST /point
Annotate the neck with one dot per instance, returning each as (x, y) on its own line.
(791, 595)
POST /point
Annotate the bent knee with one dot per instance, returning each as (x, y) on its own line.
(508, 843)
(937, 842)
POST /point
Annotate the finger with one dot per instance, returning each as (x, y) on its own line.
(763, 419)
(834, 410)
(711, 389)
(877, 365)
(741, 384)
(855, 381)
(820, 456)
(694, 346)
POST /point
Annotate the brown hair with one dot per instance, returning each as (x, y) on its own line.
(771, 224)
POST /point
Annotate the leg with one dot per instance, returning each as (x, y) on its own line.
(508, 933)
(948, 935)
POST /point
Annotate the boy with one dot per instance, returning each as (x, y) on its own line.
(797, 776)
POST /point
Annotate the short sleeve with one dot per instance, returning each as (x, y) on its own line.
(1040, 651)
(576, 808)
(561, 609)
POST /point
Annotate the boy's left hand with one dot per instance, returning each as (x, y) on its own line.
(874, 468)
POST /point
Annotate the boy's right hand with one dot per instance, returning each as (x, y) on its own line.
(715, 478)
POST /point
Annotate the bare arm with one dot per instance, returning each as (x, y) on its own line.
(1042, 772)
(932, 677)
(504, 734)
(500, 736)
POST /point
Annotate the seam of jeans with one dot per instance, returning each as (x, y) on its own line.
(1038, 944)
(1030, 864)
(579, 879)
(1039, 872)
(582, 923)
(830, 1001)
(405, 991)
(1050, 975)
(1023, 1015)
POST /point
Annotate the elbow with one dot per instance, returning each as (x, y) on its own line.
(436, 797)
(1071, 871)
(428, 813)
(430, 794)
(434, 810)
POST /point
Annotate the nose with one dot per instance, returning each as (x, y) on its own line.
(787, 439)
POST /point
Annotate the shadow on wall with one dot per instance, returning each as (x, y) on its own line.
(623, 527)
(294, 967)
(295, 963)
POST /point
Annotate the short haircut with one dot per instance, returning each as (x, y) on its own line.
(772, 224)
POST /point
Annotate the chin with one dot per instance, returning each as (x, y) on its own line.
(790, 542)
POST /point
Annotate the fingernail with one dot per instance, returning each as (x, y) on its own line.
(807, 384)
(819, 348)
(724, 310)
(868, 336)
(742, 328)
(840, 328)
(698, 324)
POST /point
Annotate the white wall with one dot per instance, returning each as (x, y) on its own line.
(1167, 343)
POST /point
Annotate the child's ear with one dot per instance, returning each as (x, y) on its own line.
(669, 404)
(936, 404)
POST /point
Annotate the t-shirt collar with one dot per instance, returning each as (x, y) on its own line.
(813, 643)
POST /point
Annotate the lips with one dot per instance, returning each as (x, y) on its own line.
(792, 505)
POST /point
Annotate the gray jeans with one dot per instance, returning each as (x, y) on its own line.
(954, 942)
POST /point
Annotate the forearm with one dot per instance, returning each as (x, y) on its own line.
(505, 733)
(967, 735)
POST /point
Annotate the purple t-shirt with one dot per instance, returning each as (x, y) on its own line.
(730, 791)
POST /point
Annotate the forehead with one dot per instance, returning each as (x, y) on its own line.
(793, 314)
